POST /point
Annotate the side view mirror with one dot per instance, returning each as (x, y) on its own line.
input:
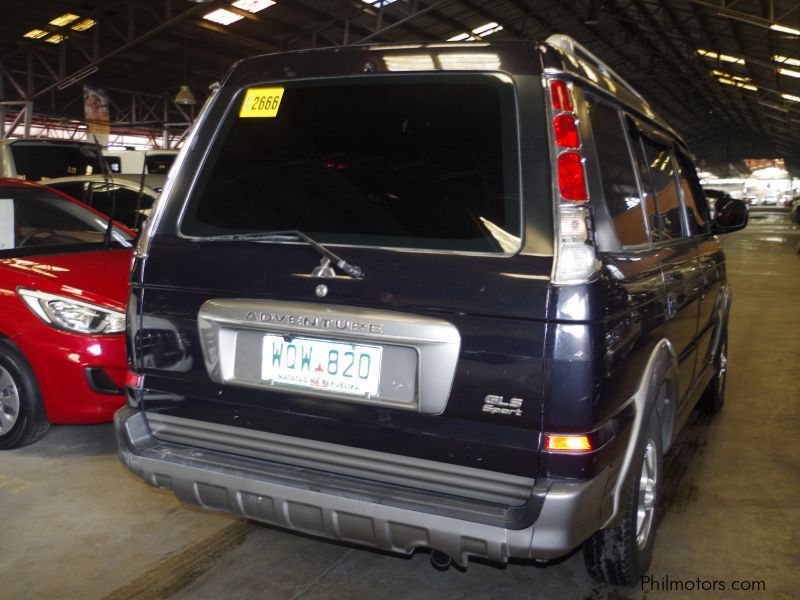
(730, 215)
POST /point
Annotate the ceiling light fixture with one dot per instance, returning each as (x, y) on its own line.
(253, 6)
(222, 16)
(739, 84)
(56, 38)
(729, 76)
(789, 72)
(35, 34)
(83, 25)
(790, 97)
(719, 56)
(185, 96)
(785, 60)
(785, 29)
(479, 32)
(64, 19)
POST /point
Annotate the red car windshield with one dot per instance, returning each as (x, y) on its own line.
(37, 218)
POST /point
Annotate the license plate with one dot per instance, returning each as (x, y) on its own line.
(336, 367)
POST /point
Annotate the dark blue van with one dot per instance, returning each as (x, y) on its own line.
(451, 296)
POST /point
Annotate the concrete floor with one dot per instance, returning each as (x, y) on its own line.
(75, 524)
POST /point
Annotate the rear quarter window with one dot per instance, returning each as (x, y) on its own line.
(620, 189)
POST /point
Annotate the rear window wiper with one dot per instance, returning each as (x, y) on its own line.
(290, 235)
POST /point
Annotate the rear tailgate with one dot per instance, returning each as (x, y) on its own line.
(499, 353)
(242, 349)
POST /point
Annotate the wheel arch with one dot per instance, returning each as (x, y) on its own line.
(661, 368)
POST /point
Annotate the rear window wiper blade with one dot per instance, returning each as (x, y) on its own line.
(294, 234)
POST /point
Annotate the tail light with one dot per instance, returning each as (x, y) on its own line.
(575, 257)
(133, 388)
(568, 443)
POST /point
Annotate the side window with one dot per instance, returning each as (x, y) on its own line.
(665, 187)
(125, 202)
(691, 193)
(616, 171)
(650, 206)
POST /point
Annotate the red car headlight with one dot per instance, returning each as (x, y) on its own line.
(73, 315)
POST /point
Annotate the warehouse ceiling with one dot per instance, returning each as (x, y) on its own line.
(724, 73)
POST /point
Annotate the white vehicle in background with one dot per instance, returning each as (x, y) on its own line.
(40, 159)
(129, 200)
(770, 200)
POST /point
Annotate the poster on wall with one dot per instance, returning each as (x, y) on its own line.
(95, 107)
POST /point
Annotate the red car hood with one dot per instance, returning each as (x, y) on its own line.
(99, 277)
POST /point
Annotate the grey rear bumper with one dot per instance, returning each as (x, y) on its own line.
(570, 512)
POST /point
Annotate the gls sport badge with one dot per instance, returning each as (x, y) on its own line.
(494, 405)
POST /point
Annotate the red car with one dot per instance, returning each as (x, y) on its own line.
(63, 289)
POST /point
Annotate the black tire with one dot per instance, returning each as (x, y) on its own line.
(620, 556)
(713, 398)
(22, 417)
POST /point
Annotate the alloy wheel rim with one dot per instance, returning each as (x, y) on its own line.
(9, 402)
(646, 508)
(723, 367)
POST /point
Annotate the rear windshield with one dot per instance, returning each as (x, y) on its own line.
(159, 163)
(411, 161)
(43, 161)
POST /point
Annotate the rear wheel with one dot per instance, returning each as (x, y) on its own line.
(713, 398)
(22, 417)
(620, 556)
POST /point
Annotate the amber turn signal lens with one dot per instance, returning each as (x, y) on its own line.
(568, 443)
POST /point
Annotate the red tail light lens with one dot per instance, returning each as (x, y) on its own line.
(566, 131)
(561, 98)
(571, 180)
(133, 380)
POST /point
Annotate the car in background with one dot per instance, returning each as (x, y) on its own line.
(63, 288)
(769, 200)
(37, 159)
(794, 210)
(155, 164)
(129, 201)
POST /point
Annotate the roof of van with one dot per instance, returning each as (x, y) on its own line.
(559, 54)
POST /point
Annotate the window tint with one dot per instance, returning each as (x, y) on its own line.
(691, 192)
(159, 163)
(616, 170)
(394, 160)
(665, 187)
(36, 161)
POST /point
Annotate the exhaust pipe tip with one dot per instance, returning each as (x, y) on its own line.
(440, 560)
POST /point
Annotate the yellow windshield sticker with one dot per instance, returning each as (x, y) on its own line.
(261, 102)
